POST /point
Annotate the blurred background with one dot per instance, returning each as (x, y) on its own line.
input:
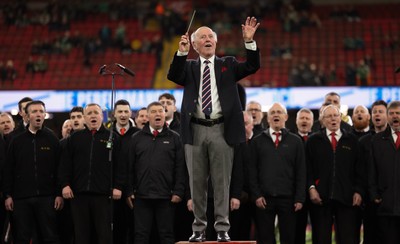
(60, 45)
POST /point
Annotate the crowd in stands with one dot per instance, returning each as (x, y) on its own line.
(7, 72)
(311, 74)
(348, 13)
(293, 16)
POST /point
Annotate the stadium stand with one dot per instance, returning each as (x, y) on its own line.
(375, 36)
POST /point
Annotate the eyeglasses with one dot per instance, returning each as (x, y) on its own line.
(253, 110)
(332, 116)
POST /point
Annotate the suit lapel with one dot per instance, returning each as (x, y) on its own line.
(196, 73)
(217, 70)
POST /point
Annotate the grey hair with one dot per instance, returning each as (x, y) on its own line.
(193, 35)
(330, 106)
(280, 104)
(306, 110)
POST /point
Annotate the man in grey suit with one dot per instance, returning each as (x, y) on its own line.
(211, 119)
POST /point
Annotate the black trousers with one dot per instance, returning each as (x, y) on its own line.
(91, 210)
(123, 222)
(35, 211)
(241, 221)
(342, 216)
(148, 210)
(265, 221)
(301, 222)
(183, 222)
(371, 226)
(389, 227)
(65, 225)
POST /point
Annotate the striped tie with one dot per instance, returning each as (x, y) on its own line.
(206, 90)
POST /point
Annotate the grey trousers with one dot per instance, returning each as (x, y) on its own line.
(209, 156)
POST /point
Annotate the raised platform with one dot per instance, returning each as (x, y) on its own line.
(215, 242)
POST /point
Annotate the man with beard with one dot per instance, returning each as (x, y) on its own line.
(360, 119)
(7, 124)
(370, 219)
(66, 129)
(304, 122)
(277, 175)
(141, 118)
(360, 128)
(334, 180)
(123, 216)
(384, 175)
(64, 218)
(255, 110)
(30, 183)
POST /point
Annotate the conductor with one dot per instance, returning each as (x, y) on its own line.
(211, 119)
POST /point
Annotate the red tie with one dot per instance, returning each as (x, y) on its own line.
(305, 138)
(333, 141)
(122, 131)
(398, 139)
(93, 132)
(277, 134)
(155, 133)
(166, 123)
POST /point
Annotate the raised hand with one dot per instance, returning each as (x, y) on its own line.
(249, 28)
(184, 43)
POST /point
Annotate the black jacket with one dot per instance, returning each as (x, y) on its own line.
(343, 126)
(85, 165)
(17, 130)
(278, 172)
(384, 173)
(176, 123)
(156, 165)
(228, 71)
(125, 143)
(336, 175)
(365, 157)
(2, 159)
(258, 129)
(31, 165)
(240, 170)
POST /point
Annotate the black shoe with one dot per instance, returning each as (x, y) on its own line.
(198, 236)
(222, 236)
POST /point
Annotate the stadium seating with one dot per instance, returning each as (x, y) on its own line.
(322, 46)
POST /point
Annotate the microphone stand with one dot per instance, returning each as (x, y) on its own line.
(104, 71)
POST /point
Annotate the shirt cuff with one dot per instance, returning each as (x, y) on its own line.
(251, 45)
(179, 53)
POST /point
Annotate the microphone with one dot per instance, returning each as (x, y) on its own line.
(397, 70)
(102, 68)
(126, 70)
